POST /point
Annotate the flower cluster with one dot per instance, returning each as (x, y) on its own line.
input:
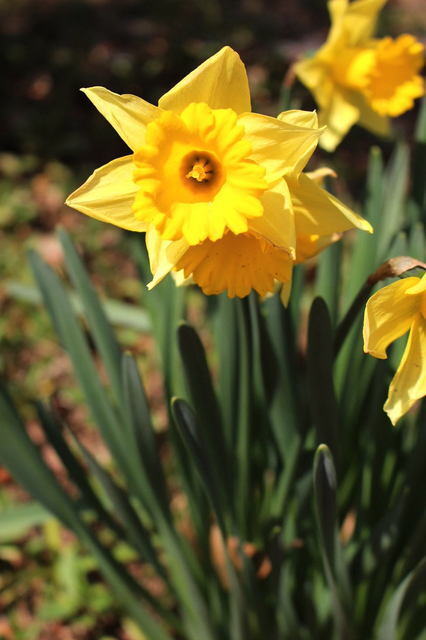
(220, 191)
(357, 78)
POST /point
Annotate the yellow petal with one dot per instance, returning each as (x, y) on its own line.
(300, 118)
(282, 148)
(409, 382)
(351, 22)
(108, 195)
(220, 81)
(315, 75)
(337, 10)
(162, 254)
(360, 20)
(389, 314)
(318, 212)
(277, 222)
(128, 114)
(309, 246)
(418, 287)
(338, 117)
(236, 264)
(369, 119)
(394, 81)
(180, 280)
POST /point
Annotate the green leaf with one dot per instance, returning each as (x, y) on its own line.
(226, 345)
(22, 458)
(325, 487)
(19, 454)
(143, 456)
(203, 396)
(420, 133)
(396, 183)
(323, 403)
(200, 386)
(16, 520)
(73, 340)
(139, 537)
(100, 328)
(419, 161)
(189, 430)
(119, 314)
(364, 257)
(243, 399)
(388, 628)
(76, 472)
(327, 285)
(164, 304)
(285, 408)
(417, 242)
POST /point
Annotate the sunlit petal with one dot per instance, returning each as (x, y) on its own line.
(128, 114)
(318, 212)
(300, 118)
(409, 382)
(338, 117)
(315, 75)
(418, 287)
(277, 222)
(220, 81)
(108, 195)
(389, 313)
(162, 254)
(282, 148)
(309, 245)
(360, 20)
(369, 119)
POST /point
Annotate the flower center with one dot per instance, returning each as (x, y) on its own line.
(201, 169)
(195, 175)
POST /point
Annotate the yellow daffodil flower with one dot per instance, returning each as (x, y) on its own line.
(256, 259)
(357, 79)
(202, 165)
(219, 190)
(389, 314)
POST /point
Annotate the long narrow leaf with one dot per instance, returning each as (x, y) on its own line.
(388, 629)
(325, 504)
(99, 326)
(323, 403)
(72, 338)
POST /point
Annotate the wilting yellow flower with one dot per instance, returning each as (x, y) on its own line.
(218, 189)
(238, 263)
(389, 314)
(355, 78)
